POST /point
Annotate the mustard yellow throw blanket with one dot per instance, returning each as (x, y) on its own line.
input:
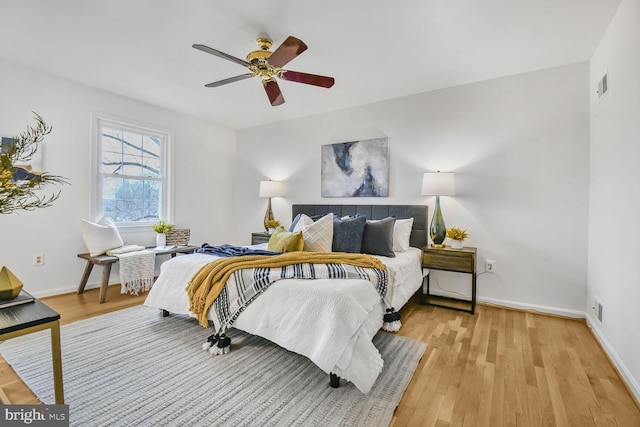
(207, 284)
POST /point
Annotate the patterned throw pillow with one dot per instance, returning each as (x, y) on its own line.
(318, 236)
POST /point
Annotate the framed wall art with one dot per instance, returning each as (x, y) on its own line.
(356, 168)
(26, 171)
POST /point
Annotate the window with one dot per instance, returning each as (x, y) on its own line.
(132, 179)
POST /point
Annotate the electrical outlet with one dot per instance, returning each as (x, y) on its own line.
(597, 308)
(38, 260)
(490, 266)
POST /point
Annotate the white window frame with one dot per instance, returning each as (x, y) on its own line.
(100, 120)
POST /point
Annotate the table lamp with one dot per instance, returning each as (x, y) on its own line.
(270, 189)
(438, 184)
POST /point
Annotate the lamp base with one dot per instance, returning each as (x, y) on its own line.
(268, 216)
(437, 231)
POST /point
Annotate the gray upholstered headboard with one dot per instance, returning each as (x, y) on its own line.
(419, 213)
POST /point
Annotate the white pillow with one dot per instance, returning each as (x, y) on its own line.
(318, 236)
(101, 236)
(402, 234)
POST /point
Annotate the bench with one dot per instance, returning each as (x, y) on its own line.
(107, 261)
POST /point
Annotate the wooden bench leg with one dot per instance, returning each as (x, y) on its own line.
(85, 276)
(106, 272)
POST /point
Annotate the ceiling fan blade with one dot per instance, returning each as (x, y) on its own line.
(273, 92)
(222, 55)
(230, 80)
(288, 50)
(310, 79)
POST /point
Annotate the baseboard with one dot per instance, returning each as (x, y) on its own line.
(534, 307)
(63, 290)
(623, 372)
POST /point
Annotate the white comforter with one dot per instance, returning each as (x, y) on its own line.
(332, 322)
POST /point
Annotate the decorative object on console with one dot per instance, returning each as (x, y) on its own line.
(356, 169)
(10, 285)
(161, 228)
(268, 65)
(457, 235)
(178, 237)
(270, 189)
(438, 184)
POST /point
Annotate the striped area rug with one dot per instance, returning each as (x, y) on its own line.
(134, 367)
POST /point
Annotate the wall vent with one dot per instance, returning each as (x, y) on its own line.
(603, 86)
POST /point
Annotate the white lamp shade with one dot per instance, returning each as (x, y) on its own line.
(271, 189)
(438, 184)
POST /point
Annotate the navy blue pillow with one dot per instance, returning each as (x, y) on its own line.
(347, 234)
(295, 221)
(377, 238)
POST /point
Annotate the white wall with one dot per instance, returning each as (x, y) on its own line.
(203, 159)
(519, 147)
(614, 208)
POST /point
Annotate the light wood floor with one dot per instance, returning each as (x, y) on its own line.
(498, 367)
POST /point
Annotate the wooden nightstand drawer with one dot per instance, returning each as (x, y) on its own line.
(257, 238)
(451, 260)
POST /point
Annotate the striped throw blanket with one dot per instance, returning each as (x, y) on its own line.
(230, 284)
(137, 268)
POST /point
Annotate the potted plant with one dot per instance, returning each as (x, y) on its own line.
(457, 235)
(271, 225)
(161, 228)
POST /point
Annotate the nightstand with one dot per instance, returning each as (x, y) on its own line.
(260, 237)
(456, 260)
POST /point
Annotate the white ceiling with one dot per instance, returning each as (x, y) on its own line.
(375, 49)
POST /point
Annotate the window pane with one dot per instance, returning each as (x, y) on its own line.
(130, 153)
(150, 167)
(131, 200)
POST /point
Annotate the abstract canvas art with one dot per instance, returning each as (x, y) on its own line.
(23, 171)
(356, 169)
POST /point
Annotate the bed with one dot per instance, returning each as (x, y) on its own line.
(331, 322)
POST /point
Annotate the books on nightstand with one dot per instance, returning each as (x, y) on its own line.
(23, 298)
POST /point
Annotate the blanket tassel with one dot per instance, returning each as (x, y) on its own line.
(211, 341)
(217, 344)
(391, 320)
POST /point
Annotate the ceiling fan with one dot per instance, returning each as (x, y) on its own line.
(268, 65)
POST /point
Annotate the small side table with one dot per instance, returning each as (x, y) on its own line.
(456, 260)
(260, 237)
(33, 317)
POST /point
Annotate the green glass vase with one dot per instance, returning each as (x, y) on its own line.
(438, 230)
